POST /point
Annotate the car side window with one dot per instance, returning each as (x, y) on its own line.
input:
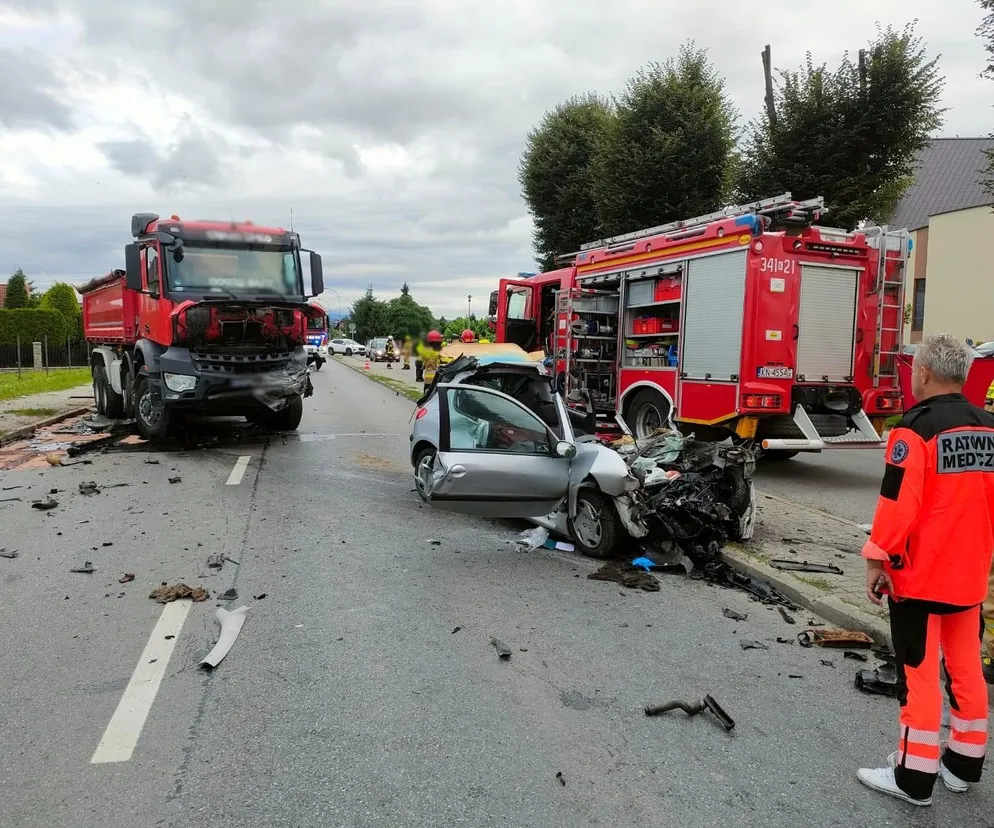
(482, 421)
(152, 269)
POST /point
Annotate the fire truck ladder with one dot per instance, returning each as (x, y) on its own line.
(779, 206)
(890, 297)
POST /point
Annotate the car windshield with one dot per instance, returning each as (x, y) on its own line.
(225, 270)
(378, 343)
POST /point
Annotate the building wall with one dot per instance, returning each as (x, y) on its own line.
(914, 271)
(959, 294)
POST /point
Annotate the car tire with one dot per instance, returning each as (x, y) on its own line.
(348, 352)
(154, 422)
(596, 527)
(649, 411)
(426, 453)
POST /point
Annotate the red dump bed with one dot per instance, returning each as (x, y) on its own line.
(110, 310)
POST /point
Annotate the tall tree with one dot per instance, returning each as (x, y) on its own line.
(405, 317)
(667, 154)
(852, 134)
(370, 317)
(17, 291)
(985, 31)
(62, 297)
(478, 326)
(555, 176)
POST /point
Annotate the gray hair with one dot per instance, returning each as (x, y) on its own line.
(945, 356)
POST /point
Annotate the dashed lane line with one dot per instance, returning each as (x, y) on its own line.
(121, 736)
(238, 472)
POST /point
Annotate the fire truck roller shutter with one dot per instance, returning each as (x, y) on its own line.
(826, 324)
(713, 316)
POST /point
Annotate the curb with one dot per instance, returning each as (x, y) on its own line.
(828, 607)
(376, 378)
(26, 430)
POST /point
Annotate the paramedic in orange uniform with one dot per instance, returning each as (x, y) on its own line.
(930, 551)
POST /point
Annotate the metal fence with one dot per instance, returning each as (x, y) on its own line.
(44, 354)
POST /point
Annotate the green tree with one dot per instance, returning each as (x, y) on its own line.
(556, 178)
(405, 317)
(62, 297)
(478, 326)
(370, 317)
(852, 134)
(986, 32)
(667, 154)
(17, 291)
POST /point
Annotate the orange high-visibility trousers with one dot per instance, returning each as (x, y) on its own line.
(988, 611)
(919, 629)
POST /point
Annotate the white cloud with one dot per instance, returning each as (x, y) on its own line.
(391, 129)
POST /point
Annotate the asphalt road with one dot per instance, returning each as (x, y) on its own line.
(349, 700)
(842, 482)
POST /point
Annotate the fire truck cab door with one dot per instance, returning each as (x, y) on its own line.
(517, 314)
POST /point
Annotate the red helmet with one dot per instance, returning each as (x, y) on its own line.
(434, 336)
(467, 336)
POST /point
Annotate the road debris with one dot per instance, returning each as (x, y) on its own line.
(89, 488)
(260, 596)
(786, 616)
(231, 624)
(760, 589)
(789, 641)
(215, 560)
(805, 566)
(228, 595)
(753, 645)
(151, 461)
(45, 503)
(126, 578)
(176, 479)
(9, 499)
(622, 572)
(643, 563)
(835, 638)
(433, 542)
(734, 614)
(707, 704)
(54, 459)
(532, 539)
(881, 681)
(165, 593)
(853, 655)
(827, 662)
(7, 553)
(562, 780)
(455, 630)
(503, 651)
(85, 569)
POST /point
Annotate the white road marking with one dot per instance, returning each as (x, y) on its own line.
(121, 736)
(238, 472)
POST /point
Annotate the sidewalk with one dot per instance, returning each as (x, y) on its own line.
(21, 415)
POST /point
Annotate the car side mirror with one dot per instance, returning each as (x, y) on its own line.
(133, 267)
(565, 449)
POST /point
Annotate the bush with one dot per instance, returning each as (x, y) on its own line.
(32, 325)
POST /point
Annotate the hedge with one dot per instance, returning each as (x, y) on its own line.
(31, 325)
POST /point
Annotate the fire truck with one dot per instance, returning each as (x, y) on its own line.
(207, 317)
(752, 320)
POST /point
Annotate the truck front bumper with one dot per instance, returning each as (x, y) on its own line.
(229, 386)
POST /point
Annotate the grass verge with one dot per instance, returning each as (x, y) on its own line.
(38, 382)
(403, 388)
(32, 412)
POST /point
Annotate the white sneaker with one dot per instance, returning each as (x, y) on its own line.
(882, 780)
(949, 779)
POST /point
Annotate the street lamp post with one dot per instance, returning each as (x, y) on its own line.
(332, 290)
(469, 310)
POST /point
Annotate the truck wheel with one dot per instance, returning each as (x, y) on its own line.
(113, 402)
(649, 411)
(154, 421)
(100, 389)
(596, 526)
(286, 419)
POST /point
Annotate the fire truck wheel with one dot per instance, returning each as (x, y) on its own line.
(596, 526)
(648, 412)
(154, 421)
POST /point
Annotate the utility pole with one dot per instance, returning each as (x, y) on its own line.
(469, 310)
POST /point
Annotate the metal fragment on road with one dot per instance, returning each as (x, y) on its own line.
(805, 566)
(85, 569)
(708, 704)
(176, 479)
(126, 578)
(503, 651)
(735, 615)
(45, 504)
(5, 553)
(786, 616)
(215, 560)
(231, 622)
(228, 595)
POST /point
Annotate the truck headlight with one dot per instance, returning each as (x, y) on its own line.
(179, 382)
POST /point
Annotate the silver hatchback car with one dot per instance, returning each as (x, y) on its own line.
(491, 437)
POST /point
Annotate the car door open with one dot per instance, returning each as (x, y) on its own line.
(496, 458)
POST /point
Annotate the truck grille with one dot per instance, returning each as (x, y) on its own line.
(209, 363)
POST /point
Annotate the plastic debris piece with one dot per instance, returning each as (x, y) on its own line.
(260, 596)
(228, 595)
(8, 553)
(827, 662)
(643, 564)
(231, 624)
(794, 675)
(455, 630)
(854, 656)
(89, 488)
(785, 641)
(835, 638)
(215, 561)
(562, 546)
(45, 504)
(85, 569)
(753, 645)
(786, 616)
(126, 578)
(151, 462)
(503, 651)
(881, 681)
(165, 593)
(735, 615)
(866, 527)
(433, 542)
(532, 539)
(559, 776)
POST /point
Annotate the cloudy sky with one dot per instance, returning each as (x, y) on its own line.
(392, 129)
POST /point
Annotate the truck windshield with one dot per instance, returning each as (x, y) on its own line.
(234, 271)
(317, 324)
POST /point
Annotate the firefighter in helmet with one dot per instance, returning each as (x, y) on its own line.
(430, 357)
(467, 336)
(390, 352)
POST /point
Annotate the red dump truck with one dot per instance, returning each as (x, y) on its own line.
(207, 317)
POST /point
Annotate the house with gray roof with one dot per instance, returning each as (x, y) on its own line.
(951, 270)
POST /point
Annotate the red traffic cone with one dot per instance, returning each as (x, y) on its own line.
(367, 363)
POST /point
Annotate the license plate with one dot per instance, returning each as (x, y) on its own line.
(774, 372)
